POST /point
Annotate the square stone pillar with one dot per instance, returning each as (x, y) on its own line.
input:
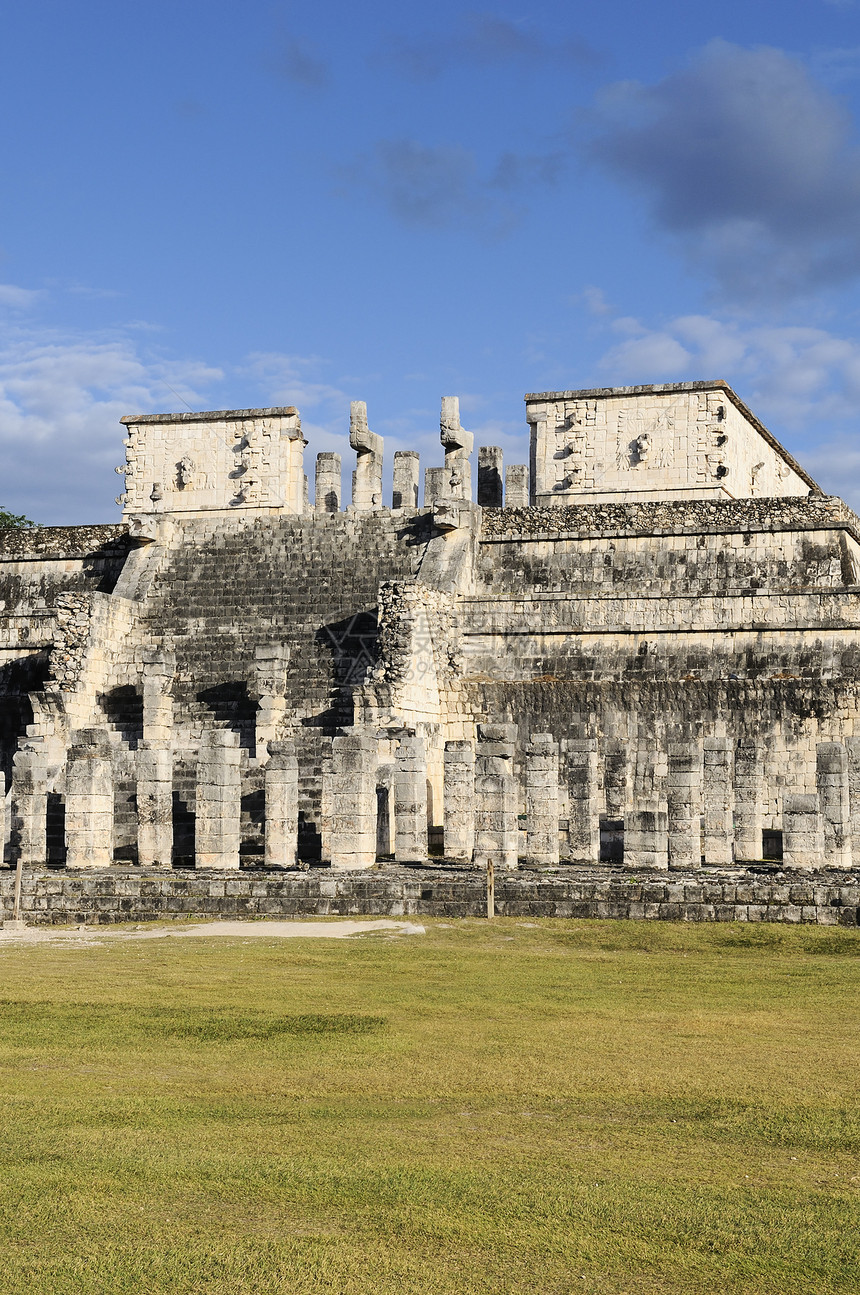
(490, 483)
(352, 794)
(327, 485)
(831, 776)
(717, 794)
(30, 804)
(458, 444)
(89, 802)
(749, 798)
(435, 485)
(496, 832)
(367, 477)
(802, 833)
(516, 486)
(3, 823)
(542, 801)
(410, 800)
(385, 775)
(615, 778)
(159, 669)
(326, 808)
(459, 801)
(282, 806)
(407, 470)
(154, 763)
(219, 801)
(646, 835)
(852, 747)
(684, 805)
(583, 790)
(269, 688)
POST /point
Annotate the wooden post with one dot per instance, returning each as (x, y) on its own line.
(491, 889)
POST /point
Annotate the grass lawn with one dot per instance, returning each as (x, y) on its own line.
(544, 1107)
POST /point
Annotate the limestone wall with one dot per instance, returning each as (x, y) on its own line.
(678, 440)
(235, 677)
(228, 459)
(139, 895)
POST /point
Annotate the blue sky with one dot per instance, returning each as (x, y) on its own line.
(218, 205)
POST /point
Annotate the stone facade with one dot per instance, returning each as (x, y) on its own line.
(653, 664)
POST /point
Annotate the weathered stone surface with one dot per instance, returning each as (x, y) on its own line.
(664, 639)
(218, 801)
(147, 895)
(542, 792)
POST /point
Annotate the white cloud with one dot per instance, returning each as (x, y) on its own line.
(803, 382)
(801, 373)
(61, 398)
(18, 298)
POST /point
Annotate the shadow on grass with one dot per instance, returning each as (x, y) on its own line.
(79, 1023)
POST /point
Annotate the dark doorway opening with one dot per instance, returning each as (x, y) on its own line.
(612, 840)
(771, 845)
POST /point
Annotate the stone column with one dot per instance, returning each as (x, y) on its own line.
(646, 835)
(326, 808)
(367, 477)
(496, 837)
(749, 795)
(852, 749)
(458, 445)
(583, 831)
(154, 761)
(219, 801)
(490, 484)
(327, 483)
(802, 833)
(89, 802)
(406, 478)
(410, 800)
(516, 486)
(385, 775)
(435, 485)
(3, 823)
(684, 805)
(459, 801)
(717, 802)
(542, 801)
(30, 804)
(159, 668)
(269, 688)
(615, 778)
(282, 806)
(352, 785)
(831, 761)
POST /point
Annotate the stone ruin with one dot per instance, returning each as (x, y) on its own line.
(642, 650)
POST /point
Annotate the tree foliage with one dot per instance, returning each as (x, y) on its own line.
(14, 519)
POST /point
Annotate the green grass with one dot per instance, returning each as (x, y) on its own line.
(547, 1107)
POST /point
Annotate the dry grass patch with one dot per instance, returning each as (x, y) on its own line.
(515, 1107)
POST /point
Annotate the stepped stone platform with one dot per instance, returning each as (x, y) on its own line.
(51, 897)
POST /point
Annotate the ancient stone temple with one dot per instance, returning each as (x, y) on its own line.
(643, 649)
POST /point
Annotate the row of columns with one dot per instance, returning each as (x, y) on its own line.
(708, 805)
(453, 481)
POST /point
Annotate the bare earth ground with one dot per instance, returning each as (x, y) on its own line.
(509, 1107)
(81, 936)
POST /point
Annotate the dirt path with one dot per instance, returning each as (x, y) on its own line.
(337, 929)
